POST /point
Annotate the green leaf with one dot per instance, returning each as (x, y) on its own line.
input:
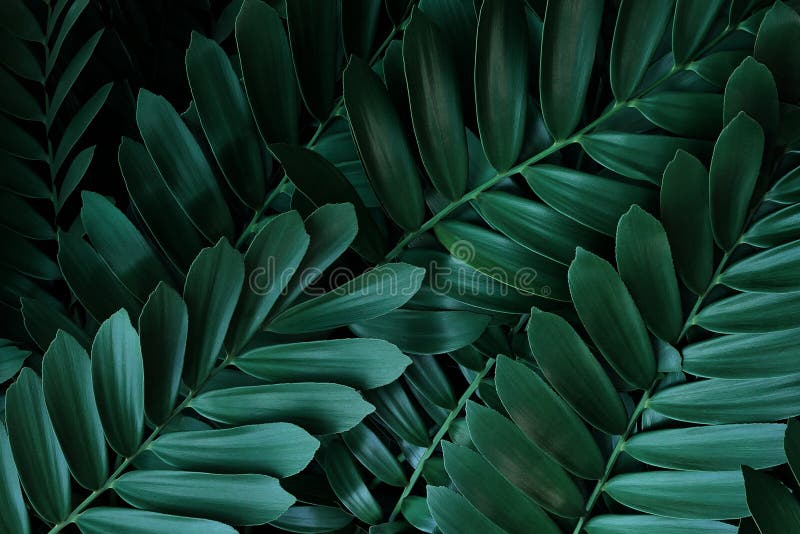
(74, 12)
(501, 80)
(455, 515)
(13, 515)
(751, 88)
(685, 114)
(743, 355)
(719, 401)
(270, 261)
(775, 509)
(18, 20)
(70, 398)
(574, 372)
(275, 449)
(787, 189)
(11, 360)
(91, 280)
(18, 57)
(536, 226)
(318, 408)
(331, 229)
(504, 260)
(638, 156)
(732, 177)
(427, 377)
(636, 36)
(70, 75)
(435, 103)
(312, 519)
(716, 68)
(313, 33)
(347, 484)
(394, 408)
(267, 71)
(17, 141)
(770, 271)
(594, 201)
(118, 378)
(685, 216)
(373, 454)
(183, 165)
(238, 499)
(711, 448)
(751, 312)
(367, 296)
(774, 229)
(78, 125)
(99, 520)
(121, 245)
(42, 467)
(777, 47)
(645, 265)
(693, 20)
(611, 318)
(636, 524)
(21, 217)
(360, 20)
(492, 494)
(18, 101)
(682, 494)
(566, 64)
(322, 183)
(383, 146)
(792, 446)
(163, 327)
(424, 331)
(360, 363)
(212, 289)
(75, 173)
(17, 177)
(226, 119)
(504, 446)
(161, 212)
(536, 409)
(42, 322)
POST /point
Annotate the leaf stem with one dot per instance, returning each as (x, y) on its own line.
(462, 401)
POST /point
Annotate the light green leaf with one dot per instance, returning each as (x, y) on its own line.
(100, 520)
(636, 524)
(771, 271)
(312, 519)
(455, 515)
(751, 312)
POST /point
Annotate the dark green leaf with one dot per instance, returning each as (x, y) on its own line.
(13, 515)
(751, 312)
(373, 454)
(771, 271)
(70, 75)
(636, 524)
(43, 322)
(347, 484)
(394, 408)
(78, 125)
(312, 519)
(693, 20)
(792, 446)
(777, 48)
(100, 520)
(751, 88)
(775, 509)
(455, 515)
(689, 114)
(774, 229)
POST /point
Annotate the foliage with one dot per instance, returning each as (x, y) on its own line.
(570, 237)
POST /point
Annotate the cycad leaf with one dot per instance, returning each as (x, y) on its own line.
(383, 146)
(267, 71)
(732, 178)
(118, 379)
(644, 261)
(536, 409)
(69, 395)
(425, 331)
(360, 19)
(435, 105)
(163, 327)
(13, 515)
(360, 363)
(99, 520)
(610, 316)
(373, 454)
(504, 446)
(693, 20)
(639, 28)
(711, 448)
(574, 372)
(41, 464)
(777, 47)
(318, 408)
(751, 88)
(183, 165)
(18, 20)
(792, 446)
(226, 119)
(776, 228)
(744, 355)
(775, 509)
(212, 289)
(313, 33)
(501, 80)
(78, 125)
(313, 518)
(682, 494)
(270, 261)
(685, 216)
(566, 65)
(636, 524)
(487, 490)
(70, 75)
(751, 312)
(395, 409)
(683, 113)
(239, 499)
(771, 271)
(455, 515)
(594, 201)
(347, 484)
(369, 295)
(17, 101)
(275, 449)
(42, 322)
(720, 401)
